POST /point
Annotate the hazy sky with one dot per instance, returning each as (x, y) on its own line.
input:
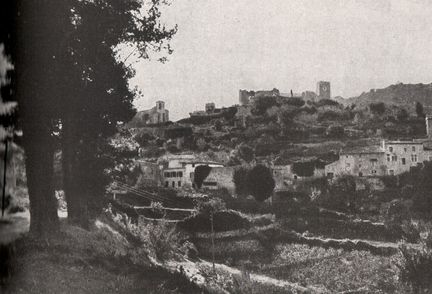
(226, 45)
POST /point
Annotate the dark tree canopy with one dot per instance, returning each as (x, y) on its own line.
(377, 108)
(260, 182)
(73, 92)
(420, 110)
(200, 174)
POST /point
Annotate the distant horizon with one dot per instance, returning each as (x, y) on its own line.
(222, 47)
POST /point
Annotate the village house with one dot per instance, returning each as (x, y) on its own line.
(179, 170)
(220, 177)
(390, 158)
(285, 177)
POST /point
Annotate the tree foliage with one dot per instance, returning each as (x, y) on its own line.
(420, 110)
(260, 182)
(72, 88)
(377, 108)
(200, 174)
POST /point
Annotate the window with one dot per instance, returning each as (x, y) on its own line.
(373, 172)
(394, 158)
(403, 161)
(295, 177)
(405, 150)
(391, 149)
(414, 158)
(191, 175)
(360, 174)
(173, 184)
(388, 157)
(179, 183)
(166, 175)
(374, 161)
(193, 164)
(166, 184)
(391, 172)
(413, 148)
(179, 174)
(330, 175)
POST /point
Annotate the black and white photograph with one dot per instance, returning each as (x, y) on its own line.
(216, 146)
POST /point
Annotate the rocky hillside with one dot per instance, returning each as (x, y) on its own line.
(405, 95)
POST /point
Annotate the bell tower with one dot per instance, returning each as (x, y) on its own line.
(323, 90)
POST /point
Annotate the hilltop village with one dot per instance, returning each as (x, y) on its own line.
(297, 136)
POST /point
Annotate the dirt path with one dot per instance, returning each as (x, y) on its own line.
(193, 271)
(13, 226)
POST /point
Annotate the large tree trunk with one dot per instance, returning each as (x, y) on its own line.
(70, 186)
(39, 153)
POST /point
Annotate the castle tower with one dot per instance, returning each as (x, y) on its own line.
(428, 119)
(323, 90)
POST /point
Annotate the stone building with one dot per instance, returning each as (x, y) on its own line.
(323, 90)
(390, 158)
(220, 177)
(179, 170)
(155, 115)
(246, 97)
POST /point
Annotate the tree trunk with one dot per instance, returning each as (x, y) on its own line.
(39, 170)
(70, 186)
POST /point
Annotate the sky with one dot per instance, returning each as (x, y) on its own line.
(223, 45)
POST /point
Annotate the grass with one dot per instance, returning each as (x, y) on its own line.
(97, 261)
(335, 269)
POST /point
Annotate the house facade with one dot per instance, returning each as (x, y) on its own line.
(390, 158)
(178, 171)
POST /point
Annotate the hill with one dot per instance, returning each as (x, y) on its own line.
(404, 95)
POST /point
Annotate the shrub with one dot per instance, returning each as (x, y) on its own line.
(416, 264)
(246, 152)
(227, 220)
(261, 104)
(298, 102)
(328, 102)
(377, 108)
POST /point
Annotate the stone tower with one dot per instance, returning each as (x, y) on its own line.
(323, 90)
(429, 126)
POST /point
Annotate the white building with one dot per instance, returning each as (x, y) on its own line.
(179, 170)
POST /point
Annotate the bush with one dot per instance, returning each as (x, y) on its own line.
(261, 104)
(298, 102)
(325, 102)
(227, 220)
(416, 264)
(377, 108)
